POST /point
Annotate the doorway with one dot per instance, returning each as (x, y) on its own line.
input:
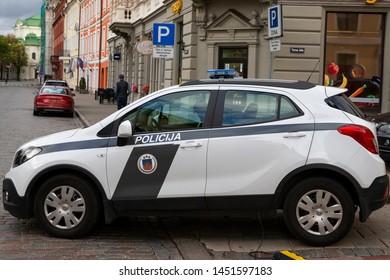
(234, 58)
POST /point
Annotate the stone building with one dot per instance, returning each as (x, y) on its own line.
(28, 31)
(210, 34)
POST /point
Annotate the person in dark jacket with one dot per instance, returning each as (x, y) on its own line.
(122, 91)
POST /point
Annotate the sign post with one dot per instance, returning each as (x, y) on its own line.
(275, 30)
(163, 40)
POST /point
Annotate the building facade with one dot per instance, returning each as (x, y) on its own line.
(28, 31)
(71, 42)
(317, 36)
(58, 28)
(94, 20)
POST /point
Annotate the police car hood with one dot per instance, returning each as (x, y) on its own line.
(52, 138)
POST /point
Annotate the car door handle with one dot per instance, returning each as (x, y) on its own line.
(191, 144)
(294, 135)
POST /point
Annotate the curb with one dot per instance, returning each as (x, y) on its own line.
(82, 118)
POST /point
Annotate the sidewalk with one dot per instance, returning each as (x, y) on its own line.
(89, 110)
(234, 238)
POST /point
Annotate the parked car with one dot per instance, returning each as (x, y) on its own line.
(61, 83)
(222, 146)
(383, 130)
(54, 99)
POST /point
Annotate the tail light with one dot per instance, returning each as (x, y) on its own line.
(362, 135)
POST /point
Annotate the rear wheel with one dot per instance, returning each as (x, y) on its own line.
(319, 211)
(67, 206)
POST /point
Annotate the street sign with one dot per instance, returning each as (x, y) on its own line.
(275, 21)
(274, 45)
(144, 47)
(162, 52)
(163, 34)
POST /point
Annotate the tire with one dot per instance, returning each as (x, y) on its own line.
(66, 206)
(319, 211)
(36, 113)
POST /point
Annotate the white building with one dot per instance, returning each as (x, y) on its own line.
(28, 31)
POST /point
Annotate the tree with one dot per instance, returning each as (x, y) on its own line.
(14, 54)
(4, 53)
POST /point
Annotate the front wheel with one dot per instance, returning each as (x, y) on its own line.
(66, 206)
(319, 211)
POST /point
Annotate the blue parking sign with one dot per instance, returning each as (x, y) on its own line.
(163, 34)
(275, 28)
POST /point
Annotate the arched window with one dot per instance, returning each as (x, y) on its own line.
(34, 56)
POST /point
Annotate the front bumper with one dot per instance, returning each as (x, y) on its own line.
(373, 197)
(16, 205)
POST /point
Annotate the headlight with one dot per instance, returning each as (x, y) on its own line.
(25, 154)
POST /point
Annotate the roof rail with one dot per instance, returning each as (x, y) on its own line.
(302, 85)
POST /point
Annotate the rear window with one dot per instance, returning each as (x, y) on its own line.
(54, 91)
(55, 83)
(342, 102)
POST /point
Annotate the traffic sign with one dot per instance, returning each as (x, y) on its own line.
(274, 45)
(162, 52)
(163, 34)
(275, 21)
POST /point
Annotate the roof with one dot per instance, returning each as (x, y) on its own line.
(32, 21)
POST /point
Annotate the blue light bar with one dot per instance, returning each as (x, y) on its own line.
(222, 73)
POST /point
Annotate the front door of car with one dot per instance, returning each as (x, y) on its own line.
(162, 166)
(261, 137)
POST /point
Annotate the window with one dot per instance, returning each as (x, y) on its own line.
(177, 111)
(347, 21)
(34, 56)
(243, 108)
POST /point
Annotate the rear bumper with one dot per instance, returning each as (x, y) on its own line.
(373, 197)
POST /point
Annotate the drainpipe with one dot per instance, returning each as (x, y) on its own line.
(100, 41)
(78, 49)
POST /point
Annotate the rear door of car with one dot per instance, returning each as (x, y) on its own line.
(260, 137)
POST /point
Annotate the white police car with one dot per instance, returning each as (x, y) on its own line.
(215, 145)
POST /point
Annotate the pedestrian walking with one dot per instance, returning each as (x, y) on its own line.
(122, 91)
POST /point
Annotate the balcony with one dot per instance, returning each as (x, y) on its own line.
(121, 15)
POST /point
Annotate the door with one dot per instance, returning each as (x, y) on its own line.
(234, 58)
(262, 137)
(163, 165)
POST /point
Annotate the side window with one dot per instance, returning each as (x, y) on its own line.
(181, 110)
(249, 107)
(288, 109)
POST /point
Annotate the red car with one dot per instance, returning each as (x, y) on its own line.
(54, 99)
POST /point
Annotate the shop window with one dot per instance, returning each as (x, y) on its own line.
(354, 56)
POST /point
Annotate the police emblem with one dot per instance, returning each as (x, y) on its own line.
(147, 164)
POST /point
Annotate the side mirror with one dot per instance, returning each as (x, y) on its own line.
(35, 92)
(125, 130)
